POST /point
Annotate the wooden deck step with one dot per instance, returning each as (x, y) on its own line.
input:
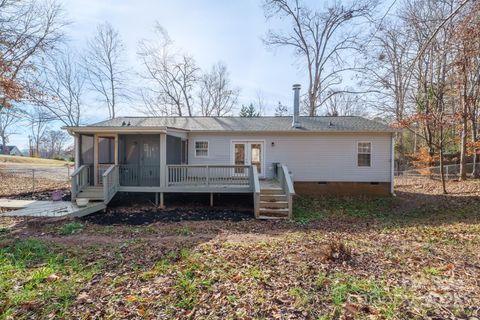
(265, 217)
(272, 191)
(273, 204)
(273, 212)
(273, 197)
(90, 195)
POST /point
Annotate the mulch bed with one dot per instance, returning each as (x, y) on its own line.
(128, 216)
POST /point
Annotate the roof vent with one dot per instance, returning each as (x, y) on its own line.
(296, 106)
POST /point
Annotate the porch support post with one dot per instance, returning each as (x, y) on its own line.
(162, 204)
(116, 149)
(77, 150)
(211, 199)
(95, 159)
(163, 160)
(156, 199)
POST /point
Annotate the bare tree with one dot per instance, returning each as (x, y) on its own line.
(466, 62)
(53, 143)
(172, 77)
(434, 107)
(29, 29)
(281, 110)
(9, 118)
(38, 119)
(345, 104)
(105, 65)
(216, 95)
(387, 79)
(320, 39)
(61, 88)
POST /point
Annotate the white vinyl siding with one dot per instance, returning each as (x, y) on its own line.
(310, 157)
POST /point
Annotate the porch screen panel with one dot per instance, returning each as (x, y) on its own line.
(174, 150)
(150, 161)
(106, 150)
(86, 154)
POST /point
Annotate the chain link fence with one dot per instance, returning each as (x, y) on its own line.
(452, 171)
(33, 181)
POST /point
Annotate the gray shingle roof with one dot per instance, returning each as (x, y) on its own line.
(255, 124)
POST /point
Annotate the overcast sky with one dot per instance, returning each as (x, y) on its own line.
(209, 30)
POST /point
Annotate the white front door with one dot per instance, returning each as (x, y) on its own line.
(249, 153)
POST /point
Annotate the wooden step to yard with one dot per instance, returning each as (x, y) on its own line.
(91, 193)
(272, 191)
(269, 213)
(273, 197)
(274, 204)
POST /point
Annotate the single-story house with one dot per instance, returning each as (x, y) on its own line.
(10, 150)
(271, 158)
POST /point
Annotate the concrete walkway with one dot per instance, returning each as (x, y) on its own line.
(36, 208)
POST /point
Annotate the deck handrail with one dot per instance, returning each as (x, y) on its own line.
(77, 171)
(110, 183)
(255, 182)
(79, 179)
(209, 165)
(287, 187)
(208, 175)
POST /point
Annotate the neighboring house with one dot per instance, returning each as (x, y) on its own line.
(10, 150)
(271, 157)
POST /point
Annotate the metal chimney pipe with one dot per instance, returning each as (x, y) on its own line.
(296, 106)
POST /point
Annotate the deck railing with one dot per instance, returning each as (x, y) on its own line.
(208, 175)
(101, 169)
(80, 179)
(287, 186)
(135, 175)
(110, 183)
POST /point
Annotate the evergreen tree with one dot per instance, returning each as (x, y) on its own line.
(249, 112)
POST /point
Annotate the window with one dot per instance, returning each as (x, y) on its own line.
(364, 154)
(201, 149)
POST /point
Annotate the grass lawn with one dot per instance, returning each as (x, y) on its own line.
(32, 160)
(414, 256)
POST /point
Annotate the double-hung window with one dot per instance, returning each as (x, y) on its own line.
(364, 154)
(201, 149)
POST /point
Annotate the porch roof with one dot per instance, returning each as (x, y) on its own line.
(240, 124)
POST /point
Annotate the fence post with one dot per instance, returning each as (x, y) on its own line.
(33, 183)
(447, 171)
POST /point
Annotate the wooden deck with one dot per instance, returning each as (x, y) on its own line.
(272, 198)
(36, 208)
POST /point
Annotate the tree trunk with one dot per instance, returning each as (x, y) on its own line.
(475, 171)
(4, 144)
(442, 171)
(463, 140)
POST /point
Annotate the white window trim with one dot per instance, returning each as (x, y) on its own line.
(371, 153)
(195, 148)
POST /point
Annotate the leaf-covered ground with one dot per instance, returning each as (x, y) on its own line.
(414, 256)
